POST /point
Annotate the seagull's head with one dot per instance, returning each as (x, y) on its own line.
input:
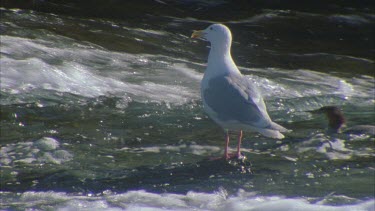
(216, 34)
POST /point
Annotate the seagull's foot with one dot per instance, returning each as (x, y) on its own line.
(233, 161)
(230, 156)
(238, 156)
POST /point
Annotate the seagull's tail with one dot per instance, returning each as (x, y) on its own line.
(271, 133)
(275, 131)
(278, 127)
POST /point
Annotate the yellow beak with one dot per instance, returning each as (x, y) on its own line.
(197, 34)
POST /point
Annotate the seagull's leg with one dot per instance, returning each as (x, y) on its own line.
(239, 155)
(226, 155)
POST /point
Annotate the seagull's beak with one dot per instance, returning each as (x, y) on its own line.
(197, 34)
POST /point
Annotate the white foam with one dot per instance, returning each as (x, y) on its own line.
(150, 31)
(308, 83)
(142, 200)
(297, 91)
(334, 147)
(44, 150)
(350, 19)
(193, 149)
(29, 65)
(183, 69)
(262, 18)
(270, 15)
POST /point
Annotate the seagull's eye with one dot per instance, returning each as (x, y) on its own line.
(211, 28)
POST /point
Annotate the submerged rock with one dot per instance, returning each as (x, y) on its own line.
(47, 144)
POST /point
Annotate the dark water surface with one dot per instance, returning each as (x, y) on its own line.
(100, 106)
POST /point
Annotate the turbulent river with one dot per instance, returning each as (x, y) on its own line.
(101, 113)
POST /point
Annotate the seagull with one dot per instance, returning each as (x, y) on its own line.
(229, 98)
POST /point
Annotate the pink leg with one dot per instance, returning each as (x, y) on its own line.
(226, 156)
(239, 145)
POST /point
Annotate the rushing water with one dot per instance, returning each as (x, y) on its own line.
(105, 114)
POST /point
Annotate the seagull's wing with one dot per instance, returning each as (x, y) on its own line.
(233, 97)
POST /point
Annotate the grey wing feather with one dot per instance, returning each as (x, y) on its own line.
(235, 98)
